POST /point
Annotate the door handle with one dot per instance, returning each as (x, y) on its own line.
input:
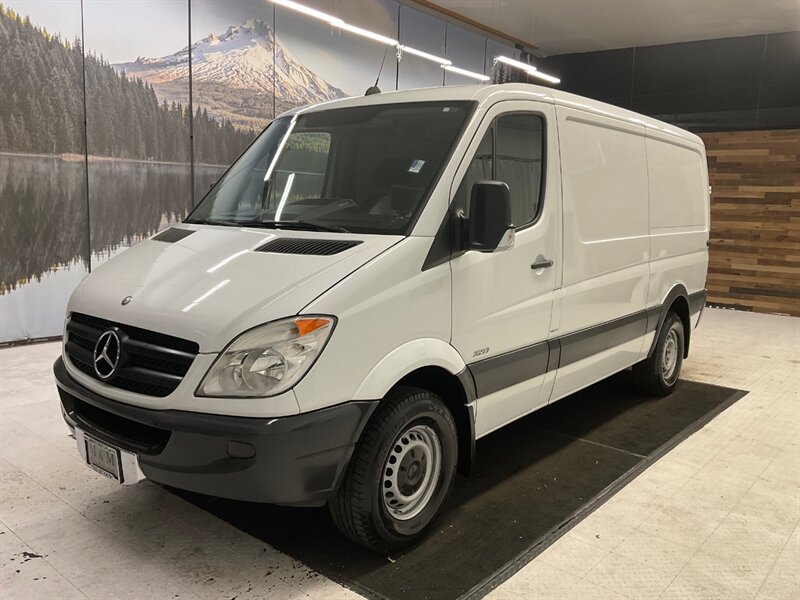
(542, 264)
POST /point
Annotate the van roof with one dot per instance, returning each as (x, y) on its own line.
(507, 91)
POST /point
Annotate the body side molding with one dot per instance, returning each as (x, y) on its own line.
(592, 340)
(504, 370)
(499, 372)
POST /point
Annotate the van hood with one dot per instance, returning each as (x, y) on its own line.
(214, 283)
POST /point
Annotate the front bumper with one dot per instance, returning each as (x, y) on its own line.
(295, 461)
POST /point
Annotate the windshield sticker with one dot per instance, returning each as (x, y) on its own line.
(416, 166)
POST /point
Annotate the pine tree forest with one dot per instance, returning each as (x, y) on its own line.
(42, 112)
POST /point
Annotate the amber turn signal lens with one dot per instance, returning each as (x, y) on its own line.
(305, 326)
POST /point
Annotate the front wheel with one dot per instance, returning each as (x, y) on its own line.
(401, 471)
(658, 374)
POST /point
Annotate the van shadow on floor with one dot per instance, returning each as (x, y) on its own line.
(532, 481)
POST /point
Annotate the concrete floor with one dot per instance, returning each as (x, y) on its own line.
(715, 518)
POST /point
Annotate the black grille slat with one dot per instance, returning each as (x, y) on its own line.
(150, 377)
(146, 349)
(79, 352)
(154, 363)
(138, 387)
(164, 366)
(86, 331)
(307, 246)
(159, 339)
(82, 366)
(83, 342)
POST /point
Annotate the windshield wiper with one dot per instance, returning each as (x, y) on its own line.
(213, 222)
(301, 225)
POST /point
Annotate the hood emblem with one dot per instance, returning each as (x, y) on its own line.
(126, 300)
(107, 352)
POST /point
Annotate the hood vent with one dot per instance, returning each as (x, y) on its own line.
(173, 234)
(307, 246)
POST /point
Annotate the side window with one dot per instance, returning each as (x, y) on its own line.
(480, 167)
(511, 151)
(518, 162)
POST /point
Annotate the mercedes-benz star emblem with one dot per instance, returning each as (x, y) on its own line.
(127, 300)
(107, 352)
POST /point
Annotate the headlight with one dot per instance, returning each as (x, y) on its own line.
(269, 359)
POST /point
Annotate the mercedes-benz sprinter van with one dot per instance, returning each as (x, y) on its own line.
(378, 282)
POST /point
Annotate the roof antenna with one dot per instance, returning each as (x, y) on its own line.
(375, 89)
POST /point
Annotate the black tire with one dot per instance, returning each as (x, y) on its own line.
(659, 373)
(359, 507)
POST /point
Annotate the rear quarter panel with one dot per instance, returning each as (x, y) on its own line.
(606, 230)
(679, 214)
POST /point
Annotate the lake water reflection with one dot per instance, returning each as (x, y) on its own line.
(44, 237)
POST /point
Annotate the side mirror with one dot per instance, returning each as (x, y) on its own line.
(489, 226)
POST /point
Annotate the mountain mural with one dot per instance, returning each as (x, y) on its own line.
(233, 75)
(43, 112)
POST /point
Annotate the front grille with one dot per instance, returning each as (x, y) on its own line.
(152, 363)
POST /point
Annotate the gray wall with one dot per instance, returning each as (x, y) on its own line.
(729, 84)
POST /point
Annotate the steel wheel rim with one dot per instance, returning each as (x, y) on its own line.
(669, 356)
(411, 472)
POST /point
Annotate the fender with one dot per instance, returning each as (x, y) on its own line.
(413, 355)
(679, 290)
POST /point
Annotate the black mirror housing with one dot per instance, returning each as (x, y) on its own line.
(489, 226)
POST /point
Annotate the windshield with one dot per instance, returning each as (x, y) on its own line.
(365, 169)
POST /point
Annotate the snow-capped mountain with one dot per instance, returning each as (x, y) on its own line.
(232, 75)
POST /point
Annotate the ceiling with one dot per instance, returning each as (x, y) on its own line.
(564, 26)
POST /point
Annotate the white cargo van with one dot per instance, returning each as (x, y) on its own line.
(378, 282)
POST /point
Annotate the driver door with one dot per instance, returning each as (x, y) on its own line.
(502, 301)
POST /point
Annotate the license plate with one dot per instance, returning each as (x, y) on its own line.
(103, 458)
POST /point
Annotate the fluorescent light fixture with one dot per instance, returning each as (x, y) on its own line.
(544, 76)
(465, 73)
(425, 55)
(311, 12)
(515, 63)
(529, 69)
(337, 22)
(366, 33)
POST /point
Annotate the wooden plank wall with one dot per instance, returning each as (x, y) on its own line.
(754, 259)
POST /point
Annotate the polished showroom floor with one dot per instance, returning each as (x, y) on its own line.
(717, 517)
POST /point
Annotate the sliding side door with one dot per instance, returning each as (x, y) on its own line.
(606, 274)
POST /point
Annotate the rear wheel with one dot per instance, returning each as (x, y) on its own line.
(658, 374)
(401, 471)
